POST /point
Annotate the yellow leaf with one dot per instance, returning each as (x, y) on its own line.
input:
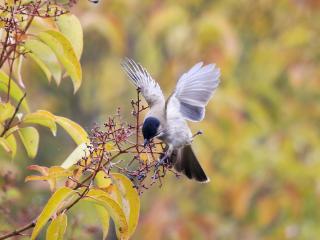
(103, 199)
(57, 228)
(77, 133)
(5, 145)
(11, 140)
(51, 207)
(103, 181)
(65, 53)
(104, 219)
(6, 111)
(35, 178)
(45, 58)
(15, 92)
(78, 153)
(30, 139)
(70, 26)
(51, 174)
(131, 198)
(43, 118)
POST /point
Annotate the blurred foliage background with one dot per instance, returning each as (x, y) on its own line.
(261, 141)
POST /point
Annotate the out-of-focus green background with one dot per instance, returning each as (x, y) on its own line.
(261, 142)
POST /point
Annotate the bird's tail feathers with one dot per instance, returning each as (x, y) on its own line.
(186, 162)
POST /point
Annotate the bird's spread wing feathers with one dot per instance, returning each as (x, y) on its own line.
(195, 88)
(139, 76)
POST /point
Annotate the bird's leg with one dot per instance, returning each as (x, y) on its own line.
(165, 156)
(196, 134)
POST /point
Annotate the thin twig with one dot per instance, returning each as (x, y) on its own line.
(8, 124)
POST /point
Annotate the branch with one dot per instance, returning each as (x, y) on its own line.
(18, 231)
(8, 124)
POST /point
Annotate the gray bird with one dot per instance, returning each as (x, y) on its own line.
(167, 119)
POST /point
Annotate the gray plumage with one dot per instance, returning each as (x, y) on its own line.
(187, 102)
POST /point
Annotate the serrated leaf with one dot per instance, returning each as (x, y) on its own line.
(6, 111)
(77, 133)
(51, 207)
(103, 199)
(70, 26)
(15, 92)
(78, 153)
(57, 228)
(43, 118)
(30, 139)
(45, 58)
(130, 199)
(11, 140)
(65, 53)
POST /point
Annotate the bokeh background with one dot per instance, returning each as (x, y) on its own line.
(261, 141)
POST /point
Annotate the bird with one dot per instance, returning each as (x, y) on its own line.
(167, 118)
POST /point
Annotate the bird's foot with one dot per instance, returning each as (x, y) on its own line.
(162, 160)
(197, 133)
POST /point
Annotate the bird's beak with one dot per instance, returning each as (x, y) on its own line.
(146, 142)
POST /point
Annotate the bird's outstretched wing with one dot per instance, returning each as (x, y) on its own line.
(139, 76)
(194, 90)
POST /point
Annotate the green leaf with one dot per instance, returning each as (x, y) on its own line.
(11, 140)
(131, 200)
(57, 228)
(77, 133)
(30, 139)
(70, 26)
(15, 92)
(104, 219)
(103, 199)
(65, 53)
(78, 153)
(45, 58)
(6, 111)
(43, 118)
(51, 207)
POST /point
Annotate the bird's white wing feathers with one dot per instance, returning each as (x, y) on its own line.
(194, 89)
(139, 76)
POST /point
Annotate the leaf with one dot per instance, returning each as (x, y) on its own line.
(70, 26)
(51, 207)
(51, 175)
(6, 111)
(45, 58)
(30, 139)
(78, 153)
(43, 118)
(63, 49)
(103, 199)
(11, 140)
(57, 227)
(18, 71)
(103, 181)
(15, 92)
(11, 131)
(104, 219)
(77, 133)
(131, 199)
(5, 145)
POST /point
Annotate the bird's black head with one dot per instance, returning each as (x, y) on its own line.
(150, 128)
